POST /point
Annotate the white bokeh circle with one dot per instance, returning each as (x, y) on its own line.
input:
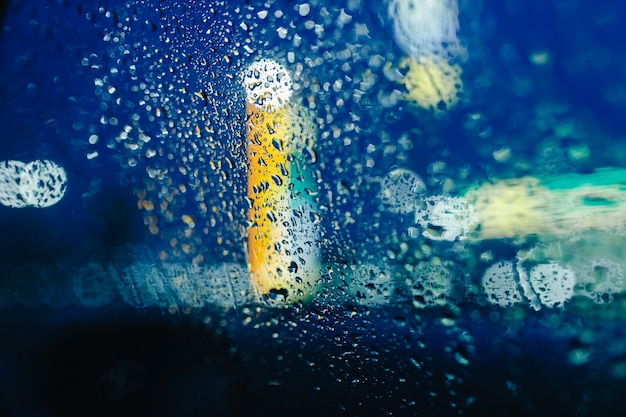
(553, 283)
(39, 183)
(268, 84)
(401, 191)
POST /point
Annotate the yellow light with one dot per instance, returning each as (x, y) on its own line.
(283, 252)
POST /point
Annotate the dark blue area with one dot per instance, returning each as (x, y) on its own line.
(46, 96)
(122, 362)
(585, 72)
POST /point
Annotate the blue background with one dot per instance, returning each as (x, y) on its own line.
(52, 362)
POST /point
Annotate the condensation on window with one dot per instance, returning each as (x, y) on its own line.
(394, 199)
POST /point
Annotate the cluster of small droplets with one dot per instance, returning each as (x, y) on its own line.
(180, 137)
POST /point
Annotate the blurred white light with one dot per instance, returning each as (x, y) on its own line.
(38, 183)
(424, 27)
(268, 84)
(400, 191)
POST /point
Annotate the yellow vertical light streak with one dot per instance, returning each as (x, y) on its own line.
(283, 236)
(268, 179)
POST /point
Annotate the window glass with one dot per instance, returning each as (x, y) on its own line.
(401, 207)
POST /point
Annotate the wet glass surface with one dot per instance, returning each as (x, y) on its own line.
(411, 207)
